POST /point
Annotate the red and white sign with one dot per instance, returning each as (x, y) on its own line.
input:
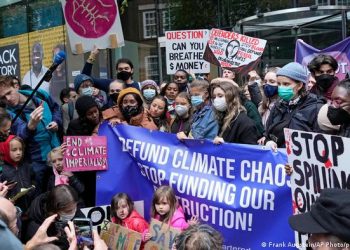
(233, 50)
(185, 49)
(92, 22)
(85, 153)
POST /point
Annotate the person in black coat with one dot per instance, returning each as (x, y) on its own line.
(235, 125)
(296, 109)
(62, 200)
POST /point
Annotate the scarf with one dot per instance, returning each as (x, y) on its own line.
(60, 179)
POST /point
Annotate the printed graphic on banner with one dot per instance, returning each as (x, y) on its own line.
(319, 161)
(85, 153)
(304, 53)
(120, 238)
(91, 22)
(163, 236)
(9, 61)
(228, 49)
(235, 188)
(185, 49)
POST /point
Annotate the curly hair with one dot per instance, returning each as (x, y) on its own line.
(199, 237)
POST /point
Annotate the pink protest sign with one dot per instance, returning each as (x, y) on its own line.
(85, 153)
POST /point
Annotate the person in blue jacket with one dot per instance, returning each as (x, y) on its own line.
(48, 120)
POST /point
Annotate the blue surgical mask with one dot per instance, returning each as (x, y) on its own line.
(285, 93)
(196, 100)
(149, 94)
(181, 110)
(87, 91)
(270, 90)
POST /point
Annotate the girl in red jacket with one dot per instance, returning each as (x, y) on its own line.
(124, 214)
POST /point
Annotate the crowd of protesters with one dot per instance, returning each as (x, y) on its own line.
(220, 110)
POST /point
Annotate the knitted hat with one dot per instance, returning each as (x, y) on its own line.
(323, 120)
(79, 79)
(5, 150)
(83, 104)
(124, 92)
(149, 82)
(294, 71)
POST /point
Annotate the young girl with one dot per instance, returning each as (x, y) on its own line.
(158, 110)
(170, 91)
(182, 121)
(55, 158)
(166, 209)
(124, 214)
(15, 170)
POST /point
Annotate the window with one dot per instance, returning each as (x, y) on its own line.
(149, 24)
(343, 2)
(165, 21)
(151, 63)
(322, 2)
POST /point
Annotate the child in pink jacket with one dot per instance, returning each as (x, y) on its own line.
(166, 209)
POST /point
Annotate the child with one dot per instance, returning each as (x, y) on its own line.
(15, 170)
(166, 209)
(124, 214)
(55, 158)
(182, 121)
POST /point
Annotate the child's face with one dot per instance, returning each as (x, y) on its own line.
(16, 150)
(163, 206)
(122, 209)
(57, 161)
(73, 96)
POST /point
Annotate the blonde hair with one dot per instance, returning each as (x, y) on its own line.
(53, 151)
(234, 106)
(161, 193)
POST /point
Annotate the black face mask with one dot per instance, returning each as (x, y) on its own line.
(114, 97)
(130, 111)
(338, 116)
(324, 81)
(124, 75)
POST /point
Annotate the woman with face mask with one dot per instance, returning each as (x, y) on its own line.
(132, 110)
(61, 200)
(296, 108)
(270, 94)
(338, 111)
(183, 111)
(235, 125)
(149, 90)
(204, 124)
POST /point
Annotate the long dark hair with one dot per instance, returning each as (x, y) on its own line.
(161, 193)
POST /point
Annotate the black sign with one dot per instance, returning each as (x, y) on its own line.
(9, 60)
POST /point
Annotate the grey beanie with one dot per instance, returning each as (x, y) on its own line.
(294, 71)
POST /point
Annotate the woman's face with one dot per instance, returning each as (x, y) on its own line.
(182, 101)
(271, 79)
(218, 92)
(129, 100)
(157, 108)
(172, 91)
(93, 115)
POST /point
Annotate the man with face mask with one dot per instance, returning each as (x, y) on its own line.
(323, 68)
(38, 70)
(124, 68)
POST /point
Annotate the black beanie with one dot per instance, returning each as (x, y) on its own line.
(83, 104)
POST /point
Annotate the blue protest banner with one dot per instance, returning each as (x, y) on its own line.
(241, 190)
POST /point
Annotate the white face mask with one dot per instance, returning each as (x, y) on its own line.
(67, 217)
(220, 104)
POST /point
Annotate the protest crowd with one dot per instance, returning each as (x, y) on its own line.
(39, 199)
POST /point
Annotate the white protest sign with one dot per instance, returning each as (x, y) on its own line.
(185, 49)
(319, 161)
(233, 50)
(91, 22)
